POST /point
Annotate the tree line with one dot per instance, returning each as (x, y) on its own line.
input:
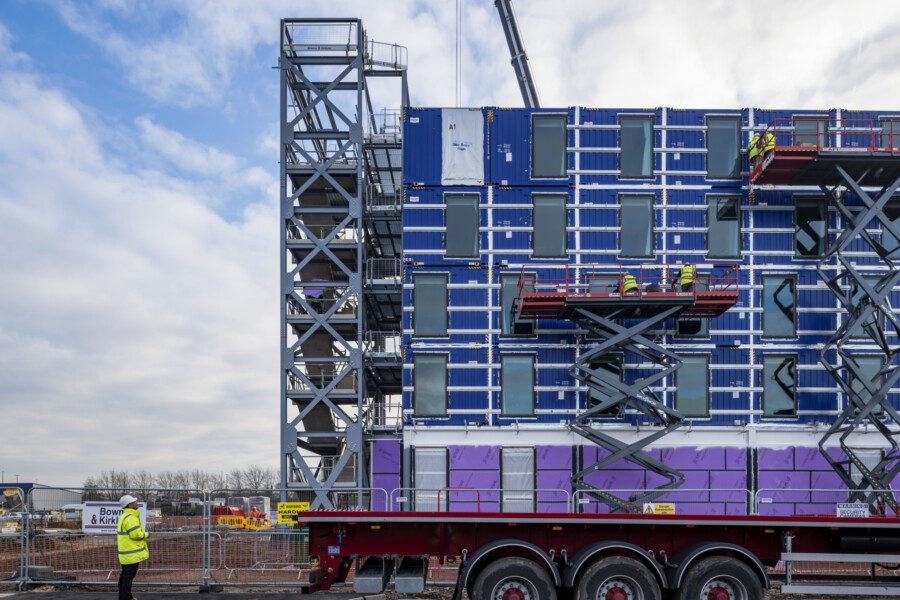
(251, 478)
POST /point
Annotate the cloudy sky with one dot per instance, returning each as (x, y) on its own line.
(139, 180)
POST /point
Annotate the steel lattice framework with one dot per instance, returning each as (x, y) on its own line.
(334, 156)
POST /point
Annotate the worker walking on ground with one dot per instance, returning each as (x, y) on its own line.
(629, 284)
(132, 542)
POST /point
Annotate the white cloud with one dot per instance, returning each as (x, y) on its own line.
(136, 328)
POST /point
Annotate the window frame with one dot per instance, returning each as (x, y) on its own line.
(434, 275)
(415, 472)
(878, 412)
(821, 136)
(762, 400)
(620, 361)
(534, 472)
(548, 115)
(725, 117)
(675, 402)
(892, 131)
(501, 318)
(652, 197)
(762, 324)
(806, 198)
(634, 117)
(415, 404)
(502, 405)
(710, 198)
(891, 206)
(565, 198)
(467, 195)
(878, 317)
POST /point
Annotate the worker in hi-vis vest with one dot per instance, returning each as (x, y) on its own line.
(768, 144)
(629, 284)
(686, 278)
(753, 151)
(132, 541)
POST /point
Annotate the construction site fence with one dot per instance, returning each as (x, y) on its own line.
(46, 538)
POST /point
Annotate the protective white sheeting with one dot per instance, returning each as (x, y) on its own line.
(462, 156)
(518, 479)
(431, 476)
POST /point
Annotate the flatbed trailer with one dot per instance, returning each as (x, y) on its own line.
(542, 556)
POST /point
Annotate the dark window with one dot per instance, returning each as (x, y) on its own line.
(430, 383)
(889, 240)
(462, 221)
(806, 128)
(779, 386)
(869, 367)
(517, 468)
(810, 226)
(692, 386)
(517, 385)
(723, 237)
(509, 325)
(611, 365)
(723, 147)
(693, 328)
(779, 306)
(636, 223)
(548, 219)
(636, 147)
(430, 315)
(857, 293)
(548, 146)
(890, 133)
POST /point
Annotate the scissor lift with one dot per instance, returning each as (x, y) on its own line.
(593, 297)
(847, 156)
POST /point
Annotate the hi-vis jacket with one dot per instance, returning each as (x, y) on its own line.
(132, 538)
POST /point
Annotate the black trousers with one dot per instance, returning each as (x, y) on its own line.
(125, 579)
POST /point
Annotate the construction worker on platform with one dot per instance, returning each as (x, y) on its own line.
(753, 151)
(629, 284)
(768, 144)
(686, 278)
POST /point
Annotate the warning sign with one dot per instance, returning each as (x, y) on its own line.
(852, 510)
(655, 508)
(287, 511)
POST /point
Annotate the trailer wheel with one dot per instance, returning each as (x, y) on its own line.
(617, 578)
(720, 578)
(513, 578)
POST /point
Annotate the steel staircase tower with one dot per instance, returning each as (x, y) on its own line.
(331, 164)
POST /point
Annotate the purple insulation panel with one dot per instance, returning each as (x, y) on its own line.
(388, 483)
(479, 480)
(735, 509)
(821, 480)
(814, 509)
(485, 507)
(553, 457)
(693, 480)
(776, 459)
(732, 481)
(689, 457)
(811, 459)
(611, 480)
(776, 510)
(703, 508)
(385, 456)
(472, 497)
(552, 507)
(777, 485)
(593, 454)
(736, 458)
(474, 457)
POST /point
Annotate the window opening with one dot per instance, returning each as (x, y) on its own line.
(517, 467)
(612, 364)
(430, 385)
(461, 220)
(890, 133)
(723, 237)
(548, 220)
(779, 386)
(892, 211)
(548, 146)
(723, 147)
(779, 306)
(810, 226)
(430, 477)
(430, 314)
(517, 385)
(869, 366)
(509, 324)
(636, 226)
(693, 328)
(692, 386)
(636, 147)
(806, 128)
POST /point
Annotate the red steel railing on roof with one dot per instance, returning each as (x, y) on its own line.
(845, 135)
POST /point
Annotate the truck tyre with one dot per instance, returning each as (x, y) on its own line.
(617, 578)
(513, 578)
(720, 578)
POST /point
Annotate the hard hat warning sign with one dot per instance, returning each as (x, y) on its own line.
(287, 511)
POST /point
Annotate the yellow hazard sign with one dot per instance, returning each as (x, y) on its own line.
(655, 508)
(287, 511)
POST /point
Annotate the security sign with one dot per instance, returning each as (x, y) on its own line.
(287, 511)
(655, 508)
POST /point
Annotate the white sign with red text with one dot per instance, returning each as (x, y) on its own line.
(103, 517)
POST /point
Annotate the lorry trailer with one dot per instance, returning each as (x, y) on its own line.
(545, 556)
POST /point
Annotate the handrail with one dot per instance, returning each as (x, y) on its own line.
(576, 501)
(862, 134)
(758, 500)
